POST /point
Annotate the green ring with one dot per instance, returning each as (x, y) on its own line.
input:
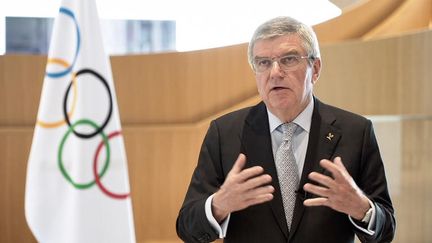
(60, 151)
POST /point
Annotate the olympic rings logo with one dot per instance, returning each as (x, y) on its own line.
(98, 129)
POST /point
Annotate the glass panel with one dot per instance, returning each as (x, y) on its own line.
(32, 35)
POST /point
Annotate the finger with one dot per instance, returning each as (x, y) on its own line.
(320, 201)
(258, 181)
(317, 190)
(337, 168)
(239, 163)
(339, 163)
(322, 179)
(245, 174)
(332, 167)
(260, 199)
(256, 196)
(256, 192)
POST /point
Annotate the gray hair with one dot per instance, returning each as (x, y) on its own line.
(281, 26)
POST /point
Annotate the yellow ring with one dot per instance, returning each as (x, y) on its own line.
(59, 123)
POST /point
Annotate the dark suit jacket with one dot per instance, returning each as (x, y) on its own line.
(247, 131)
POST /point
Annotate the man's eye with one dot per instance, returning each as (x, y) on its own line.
(288, 59)
(264, 62)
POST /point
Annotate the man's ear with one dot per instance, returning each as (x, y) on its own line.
(316, 70)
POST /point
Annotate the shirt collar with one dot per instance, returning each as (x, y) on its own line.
(304, 119)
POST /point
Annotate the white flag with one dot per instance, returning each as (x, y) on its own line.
(77, 187)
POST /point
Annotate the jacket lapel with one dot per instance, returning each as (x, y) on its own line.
(256, 145)
(323, 138)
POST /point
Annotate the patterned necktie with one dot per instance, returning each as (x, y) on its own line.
(287, 171)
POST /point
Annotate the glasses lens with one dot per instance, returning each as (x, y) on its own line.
(285, 63)
(289, 61)
(262, 64)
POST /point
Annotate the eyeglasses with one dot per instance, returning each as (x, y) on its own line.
(286, 63)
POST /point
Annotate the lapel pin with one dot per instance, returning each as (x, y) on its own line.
(330, 136)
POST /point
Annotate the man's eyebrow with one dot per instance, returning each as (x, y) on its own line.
(259, 57)
(290, 52)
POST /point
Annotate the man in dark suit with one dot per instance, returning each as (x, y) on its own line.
(324, 182)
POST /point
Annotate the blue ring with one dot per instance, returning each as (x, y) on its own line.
(69, 69)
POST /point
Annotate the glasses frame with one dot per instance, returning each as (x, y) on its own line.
(282, 66)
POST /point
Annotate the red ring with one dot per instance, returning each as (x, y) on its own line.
(97, 178)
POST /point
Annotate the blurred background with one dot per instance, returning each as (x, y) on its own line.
(179, 64)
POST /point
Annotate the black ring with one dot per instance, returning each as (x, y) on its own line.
(83, 135)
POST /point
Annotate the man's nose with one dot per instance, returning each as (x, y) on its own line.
(275, 69)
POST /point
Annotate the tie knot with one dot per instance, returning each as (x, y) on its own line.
(288, 130)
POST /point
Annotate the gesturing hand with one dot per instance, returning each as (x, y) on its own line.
(340, 193)
(242, 188)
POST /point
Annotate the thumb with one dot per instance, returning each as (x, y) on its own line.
(239, 163)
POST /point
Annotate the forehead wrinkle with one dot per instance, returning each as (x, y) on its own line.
(277, 47)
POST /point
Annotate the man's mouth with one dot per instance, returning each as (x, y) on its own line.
(277, 88)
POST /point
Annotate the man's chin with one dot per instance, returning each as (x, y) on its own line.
(280, 106)
(281, 103)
